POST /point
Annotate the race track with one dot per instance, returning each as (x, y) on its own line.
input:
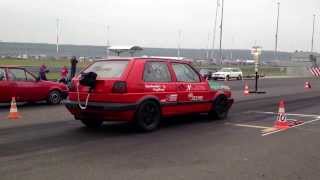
(48, 144)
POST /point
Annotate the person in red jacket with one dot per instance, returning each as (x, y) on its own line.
(64, 74)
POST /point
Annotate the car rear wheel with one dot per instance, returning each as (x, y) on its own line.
(92, 123)
(220, 108)
(228, 78)
(54, 97)
(239, 77)
(148, 116)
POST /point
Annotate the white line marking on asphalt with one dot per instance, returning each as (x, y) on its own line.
(250, 126)
(289, 114)
(307, 122)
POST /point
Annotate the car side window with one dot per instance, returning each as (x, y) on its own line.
(185, 73)
(17, 74)
(2, 74)
(30, 77)
(156, 72)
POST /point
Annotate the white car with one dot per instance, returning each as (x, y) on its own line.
(227, 74)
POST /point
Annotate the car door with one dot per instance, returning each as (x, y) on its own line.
(158, 82)
(193, 93)
(235, 73)
(6, 87)
(37, 90)
(23, 86)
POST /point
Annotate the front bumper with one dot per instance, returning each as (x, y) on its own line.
(219, 76)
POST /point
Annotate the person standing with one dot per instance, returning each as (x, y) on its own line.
(42, 72)
(63, 74)
(73, 70)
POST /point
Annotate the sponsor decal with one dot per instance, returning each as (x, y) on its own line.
(195, 98)
(189, 87)
(156, 88)
(172, 98)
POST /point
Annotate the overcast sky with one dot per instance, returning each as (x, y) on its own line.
(155, 23)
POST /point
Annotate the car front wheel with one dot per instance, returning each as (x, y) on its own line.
(148, 116)
(54, 97)
(220, 108)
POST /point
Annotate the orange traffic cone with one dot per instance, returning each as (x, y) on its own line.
(13, 110)
(246, 90)
(281, 122)
(307, 85)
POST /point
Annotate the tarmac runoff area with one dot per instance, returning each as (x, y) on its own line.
(46, 143)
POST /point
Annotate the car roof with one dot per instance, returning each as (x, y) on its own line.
(11, 66)
(150, 58)
(230, 68)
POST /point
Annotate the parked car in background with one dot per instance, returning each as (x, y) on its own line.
(26, 87)
(227, 74)
(143, 90)
(206, 73)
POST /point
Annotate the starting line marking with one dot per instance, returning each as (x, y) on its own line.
(280, 130)
(289, 114)
(250, 126)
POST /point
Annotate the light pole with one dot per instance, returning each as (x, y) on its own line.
(221, 29)
(108, 40)
(215, 29)
(208, 50)
(57, 38)
(277, 33)
(312, 39)
(179, 43)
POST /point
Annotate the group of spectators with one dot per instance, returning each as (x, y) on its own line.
(65, 76)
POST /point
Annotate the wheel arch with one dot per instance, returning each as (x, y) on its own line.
(149, 98)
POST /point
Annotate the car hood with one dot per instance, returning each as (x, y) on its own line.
(217, 73)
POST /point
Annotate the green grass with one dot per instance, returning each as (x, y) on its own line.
(53, 75)
(32, 62)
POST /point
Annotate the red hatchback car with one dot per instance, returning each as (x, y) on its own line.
(25, 87)
(142, 90)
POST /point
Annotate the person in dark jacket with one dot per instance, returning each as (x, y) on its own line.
(73, 70)
(42, 72)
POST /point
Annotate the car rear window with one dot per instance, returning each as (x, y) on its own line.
(108, 69)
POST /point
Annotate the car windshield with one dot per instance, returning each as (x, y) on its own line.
(108, 69)
(225, 70)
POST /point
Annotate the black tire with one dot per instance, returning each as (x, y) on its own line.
(239, 77)
(228, 78)
(220, 108)
(92, 123)
(148, 116)
(54, 97)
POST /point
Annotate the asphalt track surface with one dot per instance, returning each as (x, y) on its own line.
(48, 144)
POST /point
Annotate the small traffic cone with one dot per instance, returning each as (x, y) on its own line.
(307, 85)
(13, 110)
(246, 90)
(281, 122)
